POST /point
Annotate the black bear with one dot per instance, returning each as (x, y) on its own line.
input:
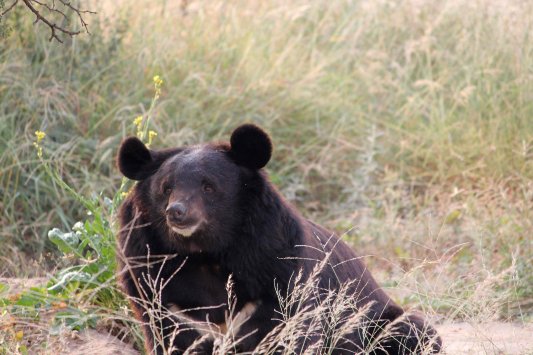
(202, 214)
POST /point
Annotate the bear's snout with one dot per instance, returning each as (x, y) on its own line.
(176, 212)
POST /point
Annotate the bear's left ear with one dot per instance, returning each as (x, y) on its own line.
(137, 162)
(134, 159)
(250, 146)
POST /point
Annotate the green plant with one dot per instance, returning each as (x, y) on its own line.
(80, 293)
(407, 123)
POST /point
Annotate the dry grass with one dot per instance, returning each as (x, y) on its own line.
(324, 317)
(405, 125)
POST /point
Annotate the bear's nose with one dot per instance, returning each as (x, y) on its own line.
(176, 212)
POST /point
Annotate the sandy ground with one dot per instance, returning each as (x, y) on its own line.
(93, 342)
(487, 338)
(17, 285)
(459, 337)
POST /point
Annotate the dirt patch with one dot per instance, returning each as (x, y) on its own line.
(487, 338)
(459, 338)
(17, 285)
(93, 342)
(36, 335)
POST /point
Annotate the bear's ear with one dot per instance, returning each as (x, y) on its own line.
(135, 160)
(250, 146)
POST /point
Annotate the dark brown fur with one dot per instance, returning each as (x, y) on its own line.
(246, 230)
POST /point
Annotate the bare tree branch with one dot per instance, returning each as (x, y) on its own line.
(9, 8)
(52, 8)
(45, 12)
(79, 13)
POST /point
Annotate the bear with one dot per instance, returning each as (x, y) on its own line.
(201, 215)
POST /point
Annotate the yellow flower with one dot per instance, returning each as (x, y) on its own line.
(151, 136)
(124, 194)
(158, 81)
(40, 136)
(19, 335)
(138, 120)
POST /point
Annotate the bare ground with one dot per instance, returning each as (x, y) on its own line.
(458, 337)
(94, 342)
(487, 338)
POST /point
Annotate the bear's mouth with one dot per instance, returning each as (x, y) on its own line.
(184, 231)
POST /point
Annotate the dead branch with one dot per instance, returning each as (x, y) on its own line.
(44, 12)
(9, 8)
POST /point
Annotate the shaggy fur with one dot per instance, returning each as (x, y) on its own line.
(242, 227)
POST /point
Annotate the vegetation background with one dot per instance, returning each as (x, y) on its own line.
(406, 126)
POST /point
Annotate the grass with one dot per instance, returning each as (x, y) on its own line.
(406, 125)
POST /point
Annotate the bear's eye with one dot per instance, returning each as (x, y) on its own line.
(207, 187)
(167, 190)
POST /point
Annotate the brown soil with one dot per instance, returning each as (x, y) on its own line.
(487, 338)
(458, 338)
(93, 342)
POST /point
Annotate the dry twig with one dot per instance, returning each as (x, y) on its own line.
(45, 12)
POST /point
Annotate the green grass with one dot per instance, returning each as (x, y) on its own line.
(407, 124)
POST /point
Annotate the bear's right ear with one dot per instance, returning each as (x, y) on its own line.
(250, 146)
(135, 160)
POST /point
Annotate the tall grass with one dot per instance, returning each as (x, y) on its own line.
(408, 123)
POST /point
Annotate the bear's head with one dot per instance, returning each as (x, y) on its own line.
(194, 195)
